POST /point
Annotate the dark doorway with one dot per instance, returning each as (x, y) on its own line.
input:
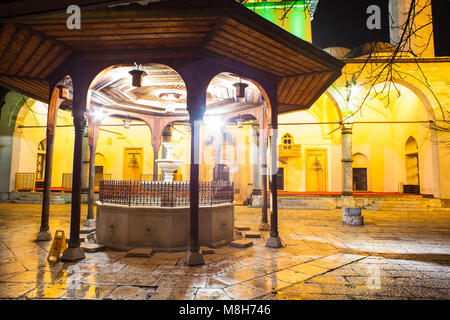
(280, 179)
(221, 173)
(98, 175)
(360, 179)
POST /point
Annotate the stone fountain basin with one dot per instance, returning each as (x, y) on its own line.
(169, 164)
(162, 228)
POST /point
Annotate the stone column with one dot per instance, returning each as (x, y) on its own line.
(256, 192)
(347, 169)
(196, 104)
(44, 231)
(350, 213)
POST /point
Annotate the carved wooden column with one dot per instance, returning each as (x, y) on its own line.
(156, 126)
(44, 231)
(264, 224)
(74, 251)
(256, 167)
(274, 240)
(92, 140)
(155, 164)
(196, 104)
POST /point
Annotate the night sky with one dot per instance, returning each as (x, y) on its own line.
(343, 23)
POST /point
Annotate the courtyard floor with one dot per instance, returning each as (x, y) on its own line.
(395, 255)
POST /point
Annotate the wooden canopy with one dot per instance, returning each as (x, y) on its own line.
(33, 45)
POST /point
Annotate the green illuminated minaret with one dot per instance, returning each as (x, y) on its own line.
(298, 19)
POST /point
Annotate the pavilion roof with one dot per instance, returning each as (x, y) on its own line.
(35, 42)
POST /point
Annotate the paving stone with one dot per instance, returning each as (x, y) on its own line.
(168, 293)
(242, 292)
(14, 290)
(92, 247)
(177, 281)
(140, 253)
(89, 291)
(86, 230)
(252, 235)
(207, 251)
(131, 293)
(267, 283)
(290, 276)
(211, 294)
(308, 268)
(242, 228)
(241, 244)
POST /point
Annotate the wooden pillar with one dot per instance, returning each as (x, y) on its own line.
(92, 140)
(90, 214)
(74, 251)
(264, 225)
(44, 231)
(196, 106)
(274, 240)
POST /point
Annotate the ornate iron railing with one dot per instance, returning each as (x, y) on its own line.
(163, 194)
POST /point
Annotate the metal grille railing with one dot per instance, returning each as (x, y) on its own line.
(25, 181)
(163, 194)
(66, 184)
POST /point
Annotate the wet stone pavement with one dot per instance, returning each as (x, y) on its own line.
(395, 255)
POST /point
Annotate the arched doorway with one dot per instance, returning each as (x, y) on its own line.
(412, 167)
(40, 164)
(100, 164)
(360, 165)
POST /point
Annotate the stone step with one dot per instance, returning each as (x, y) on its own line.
(301, 204)
(399, 205)
(28, 201)
(301, 201)
(402, 201)
(39, 196)
(304, 208)
(392, 208)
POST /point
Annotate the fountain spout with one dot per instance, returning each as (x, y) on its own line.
(168, 165)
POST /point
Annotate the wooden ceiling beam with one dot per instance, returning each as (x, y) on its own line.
(7, 34)
(13, 49)
(299, 81)
(237, 55)
(53, 65)
(28, 50)
(247, 52)
(35, 59)
(60, 26)
(269, 49)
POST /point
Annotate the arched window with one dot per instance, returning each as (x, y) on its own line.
(40, 160)
(100, 162)
(287, 141)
